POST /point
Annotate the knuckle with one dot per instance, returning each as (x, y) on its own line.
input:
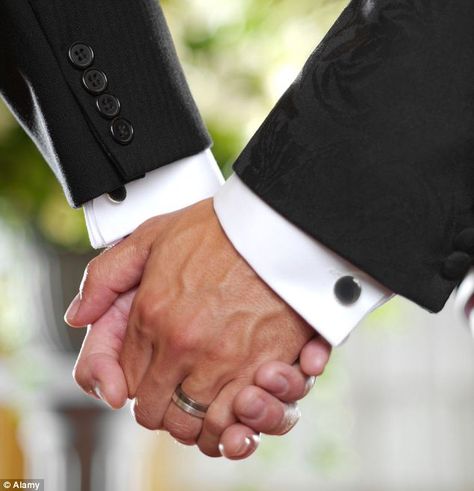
(182, 340)
(143, 418)
(229, 351)
(247, 397)
(148, 313)
(216, 422)
(181, 430)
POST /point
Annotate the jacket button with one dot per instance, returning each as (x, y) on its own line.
(456, 265)
(117, 195)
(108, 105)
(465, 241)
(347, 290)
(94, 80)
(122, 130)
(81, 55)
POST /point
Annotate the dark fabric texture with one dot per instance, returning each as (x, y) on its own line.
(371, 150)
(132, 45)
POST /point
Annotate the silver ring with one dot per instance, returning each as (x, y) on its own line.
(188, 405)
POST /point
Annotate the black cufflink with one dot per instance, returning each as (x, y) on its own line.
(117, 195)
(347, 290)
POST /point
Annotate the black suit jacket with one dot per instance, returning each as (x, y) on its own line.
(370, 151)
(133, 48)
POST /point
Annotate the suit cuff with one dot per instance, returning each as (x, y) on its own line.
(162, 190)
(299, 269)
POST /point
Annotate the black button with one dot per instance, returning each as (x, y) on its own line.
(108, 105)
(118, 195)
(347, 290)
(122, 130)
(94, 80)
(456, 265)
(465, 241)
(81, 55)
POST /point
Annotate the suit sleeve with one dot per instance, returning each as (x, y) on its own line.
(128, 54)
(371, 150)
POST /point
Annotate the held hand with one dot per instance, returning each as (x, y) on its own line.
(99, 374)
(188, 253)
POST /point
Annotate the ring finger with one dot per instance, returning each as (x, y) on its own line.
(178, 421)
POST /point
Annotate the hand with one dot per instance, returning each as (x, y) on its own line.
(98, 373)
(217, 320)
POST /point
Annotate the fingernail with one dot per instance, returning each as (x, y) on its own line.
(240, 451)
(98, 392)
(243, 447)
(255, 440)
(221, 449)
(72, 309)
(310, 381)
(280, 384)
(249, 443)
(255, 409)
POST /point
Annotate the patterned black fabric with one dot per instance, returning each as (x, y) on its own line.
(371, 150)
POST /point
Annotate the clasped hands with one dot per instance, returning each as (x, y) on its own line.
(175, 304)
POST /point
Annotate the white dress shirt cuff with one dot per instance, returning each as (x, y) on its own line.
(298, 268)
(163, 190)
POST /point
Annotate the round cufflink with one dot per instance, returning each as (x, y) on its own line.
(117, 195)
(347, 290)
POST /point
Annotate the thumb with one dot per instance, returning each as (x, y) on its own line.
(97, 367)
(115, 271)
(315, 356)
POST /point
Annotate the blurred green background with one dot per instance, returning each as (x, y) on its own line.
(393, 410)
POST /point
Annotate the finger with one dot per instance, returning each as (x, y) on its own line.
(286, 382)
(115, 271)
(135, 358)
(238, 442)
(315, 356)
(153, 395)
(97, 370)
(183, 426)
(219, 417)
(263, 412)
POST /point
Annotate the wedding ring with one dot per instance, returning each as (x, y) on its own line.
(188, 405)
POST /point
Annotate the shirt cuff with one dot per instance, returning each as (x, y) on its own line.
(298, 268)
(166, 189)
